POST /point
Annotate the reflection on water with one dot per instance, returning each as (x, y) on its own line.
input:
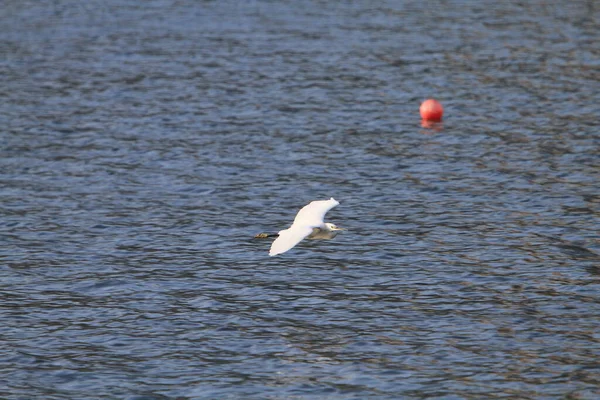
(144, 146)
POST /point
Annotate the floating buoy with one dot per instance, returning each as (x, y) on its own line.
(431, 110)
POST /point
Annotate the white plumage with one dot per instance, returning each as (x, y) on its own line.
(308, 224)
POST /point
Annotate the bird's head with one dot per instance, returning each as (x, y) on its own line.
(333, 227)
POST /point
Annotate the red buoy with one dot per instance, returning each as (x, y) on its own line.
(431, 110)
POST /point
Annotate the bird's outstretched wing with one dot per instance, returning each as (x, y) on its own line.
(312, 214)
(289, 238)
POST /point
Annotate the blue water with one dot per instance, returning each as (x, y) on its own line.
(144, 144)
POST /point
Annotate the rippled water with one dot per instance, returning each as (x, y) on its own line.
(144, 144)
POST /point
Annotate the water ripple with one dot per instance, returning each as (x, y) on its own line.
(144, 146)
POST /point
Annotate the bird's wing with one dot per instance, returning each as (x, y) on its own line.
(312, 214)
(289, 238)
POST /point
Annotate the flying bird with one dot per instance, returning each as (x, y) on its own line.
(308, 224)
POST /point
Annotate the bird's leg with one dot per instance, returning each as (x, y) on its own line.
(265, 235)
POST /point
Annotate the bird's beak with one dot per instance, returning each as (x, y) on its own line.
(339, 229)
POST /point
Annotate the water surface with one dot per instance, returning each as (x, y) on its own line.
(144, 144)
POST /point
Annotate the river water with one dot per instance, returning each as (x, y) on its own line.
(144, 144)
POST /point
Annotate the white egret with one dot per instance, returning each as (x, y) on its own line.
(308, 224)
